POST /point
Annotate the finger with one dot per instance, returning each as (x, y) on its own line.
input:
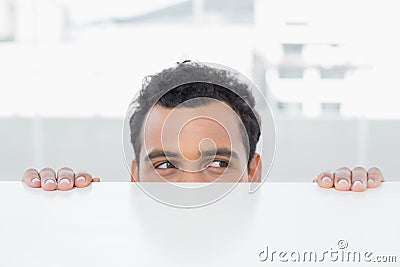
(48, 179)
(342, 179)
(31, 178)
(65, 179)
(359, 179)
(83, 179)
(325, 179)
(375, 177)
(96, 179)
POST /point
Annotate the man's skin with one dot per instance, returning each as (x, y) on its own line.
(202, 144)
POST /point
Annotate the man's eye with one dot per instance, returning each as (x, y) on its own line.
(219, 164)
(164, 165)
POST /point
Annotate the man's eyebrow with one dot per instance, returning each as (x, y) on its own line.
(160, 154)
(220, 152)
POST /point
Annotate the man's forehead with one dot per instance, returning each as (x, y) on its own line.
(215, 111)
(198, 106)
(214, 120)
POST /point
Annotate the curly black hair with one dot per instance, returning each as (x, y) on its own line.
(190, 80)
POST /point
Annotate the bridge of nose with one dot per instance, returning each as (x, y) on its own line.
(194, 177)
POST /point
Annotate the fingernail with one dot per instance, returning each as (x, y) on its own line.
(50, 181)
(343, 182)
(326, 180)
(35, 180)
(371, 181)
(64, 181)
(357, 183)
(80, 179)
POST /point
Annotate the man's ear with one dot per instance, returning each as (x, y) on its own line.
(255, 169)
(134, 171)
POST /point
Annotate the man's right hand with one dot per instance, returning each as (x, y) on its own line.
(65, 179)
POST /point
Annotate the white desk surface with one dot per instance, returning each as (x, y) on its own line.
(116, 224)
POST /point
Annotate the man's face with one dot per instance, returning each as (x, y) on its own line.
(193, 144)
